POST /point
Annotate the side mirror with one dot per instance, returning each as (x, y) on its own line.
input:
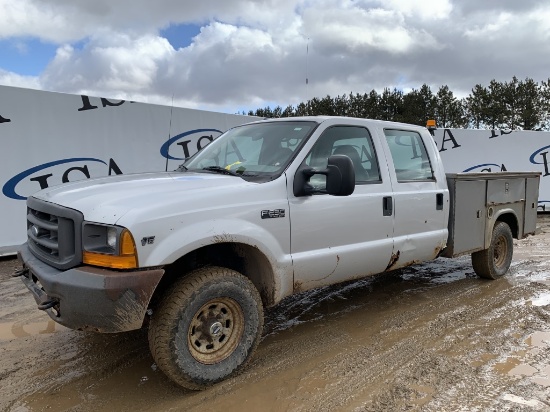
(340, 178)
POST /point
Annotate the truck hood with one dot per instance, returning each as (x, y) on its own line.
(107, 199)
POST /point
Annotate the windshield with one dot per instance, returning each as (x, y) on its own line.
(259, 151)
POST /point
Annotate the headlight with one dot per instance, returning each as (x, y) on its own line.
(112, 236)
(108, 246)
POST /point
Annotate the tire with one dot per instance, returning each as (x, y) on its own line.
(494, 262)
(207, 327)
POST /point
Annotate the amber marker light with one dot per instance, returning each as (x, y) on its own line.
(430, 125)
(127, 259)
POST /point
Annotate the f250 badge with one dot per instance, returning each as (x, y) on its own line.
(270, 214)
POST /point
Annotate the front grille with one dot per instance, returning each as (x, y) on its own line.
(54, 233)
(42, 230)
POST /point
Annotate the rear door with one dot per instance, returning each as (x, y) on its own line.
(420, 196)
(339, 238)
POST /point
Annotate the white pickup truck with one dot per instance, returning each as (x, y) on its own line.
(268, 209)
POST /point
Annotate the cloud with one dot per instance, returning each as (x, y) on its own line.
(353, 30)
(13, 79)
(62, 21)
(249, 53)
(426, 10)
(49, 22)
(109, 61)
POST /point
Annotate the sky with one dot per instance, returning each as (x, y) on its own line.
(235, 55)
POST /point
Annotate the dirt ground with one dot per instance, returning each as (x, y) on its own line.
(430, 338)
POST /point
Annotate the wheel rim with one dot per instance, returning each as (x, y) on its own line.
(215, 330)
(500, 251)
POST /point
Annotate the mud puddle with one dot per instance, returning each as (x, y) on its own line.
(14, 330)
(431, 338)
(527, 363)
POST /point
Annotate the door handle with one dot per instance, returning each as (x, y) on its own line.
(387, 206)
(439, 201)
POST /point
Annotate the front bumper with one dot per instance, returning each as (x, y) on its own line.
(90, 298)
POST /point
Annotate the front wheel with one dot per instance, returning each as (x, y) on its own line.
(494, 262)
(206, 327)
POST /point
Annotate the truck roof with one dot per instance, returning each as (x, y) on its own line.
(321, 119)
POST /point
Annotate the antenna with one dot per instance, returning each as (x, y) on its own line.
(307, 57)
(169, 130)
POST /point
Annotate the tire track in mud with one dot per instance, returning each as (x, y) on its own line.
(402, 351)
(476, 331)
(435, 331)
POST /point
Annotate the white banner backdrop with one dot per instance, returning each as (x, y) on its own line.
(465, 150)
(49, 138)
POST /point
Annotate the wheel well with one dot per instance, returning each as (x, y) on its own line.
(511, 221)
(245, 259)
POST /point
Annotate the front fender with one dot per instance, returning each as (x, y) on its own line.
(273, 244)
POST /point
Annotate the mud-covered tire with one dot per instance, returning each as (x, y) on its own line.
(206, 327)
(494, 262)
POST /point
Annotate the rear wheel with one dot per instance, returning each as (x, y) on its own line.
(206, 327)
(494, 262)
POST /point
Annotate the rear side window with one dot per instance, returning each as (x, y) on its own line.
(409, 155)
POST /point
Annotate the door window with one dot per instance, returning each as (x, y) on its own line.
(410, 158)
(354, 142)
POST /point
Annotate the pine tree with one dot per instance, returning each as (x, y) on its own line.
(449, 111)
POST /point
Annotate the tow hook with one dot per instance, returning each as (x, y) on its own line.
(20, 272)
(50, 303)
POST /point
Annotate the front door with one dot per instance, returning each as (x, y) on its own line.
(333, 238)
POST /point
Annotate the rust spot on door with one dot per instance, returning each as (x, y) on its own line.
(393, 260)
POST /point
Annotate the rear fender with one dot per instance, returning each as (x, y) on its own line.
(509, 214)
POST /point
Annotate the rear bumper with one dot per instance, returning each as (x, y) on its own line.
(90, 298)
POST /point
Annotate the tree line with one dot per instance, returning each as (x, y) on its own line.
(513, 105)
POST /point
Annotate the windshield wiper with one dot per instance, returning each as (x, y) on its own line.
(223, 170)
(181, 168)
